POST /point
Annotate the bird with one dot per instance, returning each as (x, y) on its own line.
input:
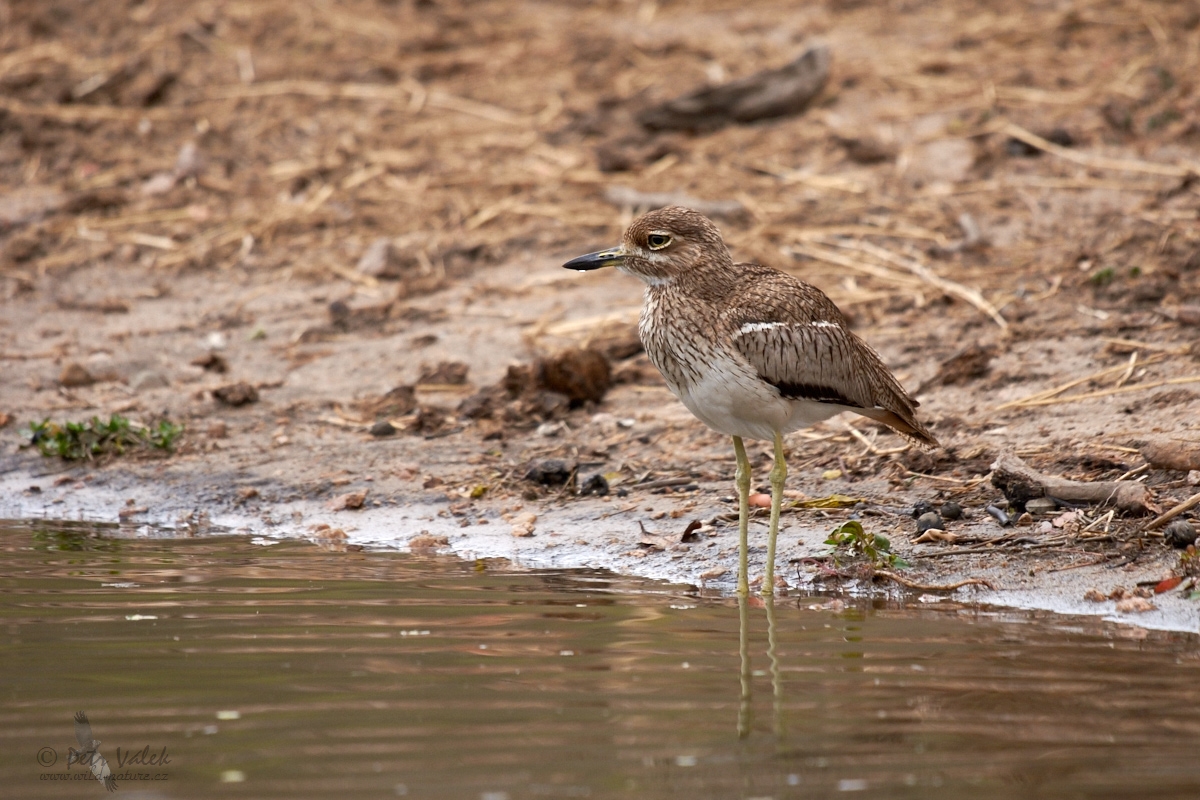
(751, 351)
(89, 753)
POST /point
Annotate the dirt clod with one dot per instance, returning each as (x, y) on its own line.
(523, 524)
(1179, 534)
(929, 521)
(445, 373)
(951, 511)
(394, 403)
(74, 375)
(426, 541)
(580, 374)
(211, 362)
(595, 484)
(350, 501)
(383, 428)
(1134, 605)
(549, 472)
(921, 507)
(236, 394)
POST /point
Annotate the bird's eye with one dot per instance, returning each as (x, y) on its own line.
(658, 241)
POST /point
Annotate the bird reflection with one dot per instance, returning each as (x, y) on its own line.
(745, 705)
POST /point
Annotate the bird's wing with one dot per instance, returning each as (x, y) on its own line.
(812, 360)
(103, 773)
(83, 730)
(823, 361)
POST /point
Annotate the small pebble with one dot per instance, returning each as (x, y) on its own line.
(594, 484)
(383, 428)
(759, 500)
(73, 376)
(922, 507)
(928, 521)
(1000, 515)
(148, 379)
(549, 429)
(951, 511)
(217, 429)
(1025, 520)
(1180, 534)
(1041, 505)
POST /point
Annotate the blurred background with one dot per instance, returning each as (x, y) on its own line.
(326, 201)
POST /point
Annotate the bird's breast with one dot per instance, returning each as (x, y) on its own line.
(672, 342)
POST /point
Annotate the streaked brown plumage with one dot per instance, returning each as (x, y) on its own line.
(751, 351)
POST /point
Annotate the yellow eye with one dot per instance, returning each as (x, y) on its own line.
(658, 241)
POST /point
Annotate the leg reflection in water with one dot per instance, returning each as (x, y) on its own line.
(745, 706)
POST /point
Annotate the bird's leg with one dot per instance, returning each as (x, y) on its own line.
(744, 706)
(742, 478)
(778, 476)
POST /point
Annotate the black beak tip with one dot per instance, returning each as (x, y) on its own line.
(582, 263)
(604, 258)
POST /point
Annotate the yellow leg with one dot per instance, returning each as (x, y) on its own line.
(778, 476)
(744, 707)
(773, 655)
(743, 486)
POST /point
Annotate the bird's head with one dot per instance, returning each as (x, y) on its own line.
(660, 245)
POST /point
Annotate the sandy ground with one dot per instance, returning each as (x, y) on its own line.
(211, 182)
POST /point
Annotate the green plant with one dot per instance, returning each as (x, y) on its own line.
(857, 543)
(1103, 276)
(96, 437)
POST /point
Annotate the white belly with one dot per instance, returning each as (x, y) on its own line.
(730, 398)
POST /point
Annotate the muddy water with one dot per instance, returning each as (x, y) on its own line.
(234, 669)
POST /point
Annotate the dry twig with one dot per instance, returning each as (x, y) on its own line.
(1167, 516)
(933, 587)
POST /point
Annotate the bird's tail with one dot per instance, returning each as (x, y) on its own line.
(907, 426)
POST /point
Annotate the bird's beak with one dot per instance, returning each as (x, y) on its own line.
(613, 257)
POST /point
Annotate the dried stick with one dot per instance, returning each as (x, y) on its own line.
(1052, 401)
(934, 587)
(972, 296)
(1098, 162)
(1167, 516)
(1047, 393)
(1020, 483)
(832, 257)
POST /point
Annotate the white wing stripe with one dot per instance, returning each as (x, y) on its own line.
(755, 327)
(759, 327)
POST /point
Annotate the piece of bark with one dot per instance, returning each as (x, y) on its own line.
(1171, 454)
(767, 94)
(1021, 483)
(1188, 315)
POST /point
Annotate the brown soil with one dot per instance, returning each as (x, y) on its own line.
(270, 220)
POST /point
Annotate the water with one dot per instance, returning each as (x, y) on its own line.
(288, 671)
